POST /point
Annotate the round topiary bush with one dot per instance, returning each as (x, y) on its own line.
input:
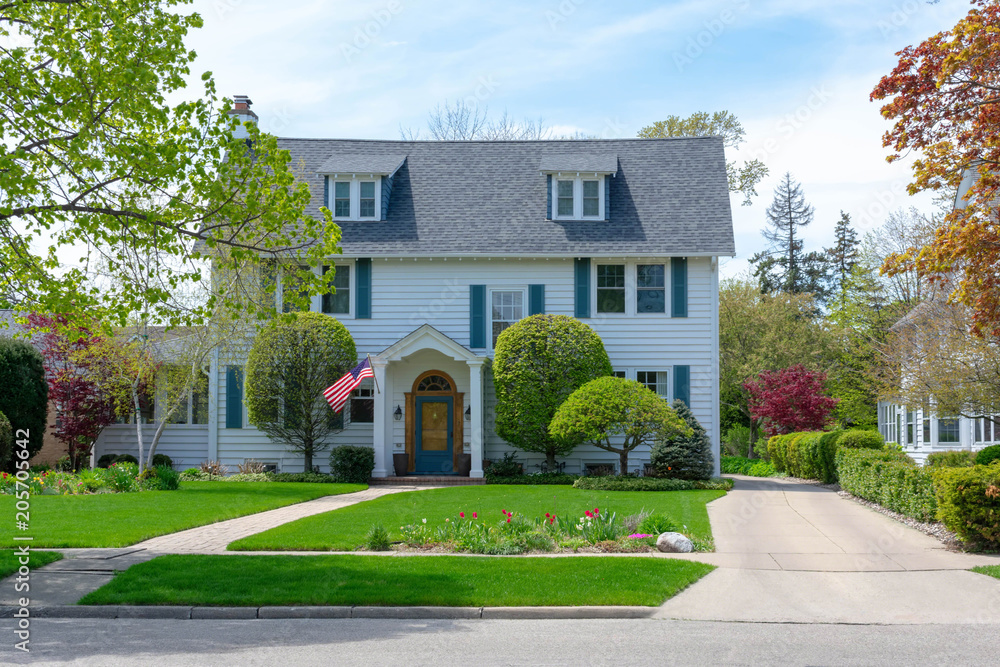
(539, 362)
(126, 458)
(105, 460)
(988, 455)
(162, 460)
(25, 396)
(352, 465)
(683, 457)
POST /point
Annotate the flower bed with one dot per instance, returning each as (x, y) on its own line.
(597, 530)
(119, 478)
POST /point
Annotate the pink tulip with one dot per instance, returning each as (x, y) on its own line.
(461, 514)
(475, 516)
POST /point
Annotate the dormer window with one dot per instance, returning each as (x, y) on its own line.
(355, 197)
(578, 196)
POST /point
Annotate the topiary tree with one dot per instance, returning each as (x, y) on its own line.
(683, 457)
(291, 362)
(24, 398)
(539, 362)
(608, 409)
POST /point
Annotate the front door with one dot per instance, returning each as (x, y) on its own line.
(434, 437)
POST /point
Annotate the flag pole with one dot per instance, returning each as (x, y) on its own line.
(374, 379)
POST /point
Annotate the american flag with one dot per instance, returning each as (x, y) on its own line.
(338, 393)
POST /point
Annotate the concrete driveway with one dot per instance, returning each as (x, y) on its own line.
(794, 552)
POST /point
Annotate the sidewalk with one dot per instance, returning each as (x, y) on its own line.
(799, 553)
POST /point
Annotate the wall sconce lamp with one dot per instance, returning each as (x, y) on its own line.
(468, 413)
(398, 414)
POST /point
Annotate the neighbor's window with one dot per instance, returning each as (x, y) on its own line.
(363, 404)
(507, 308)
(565, 203)
(611, 288)
(948, 430)
(656, 381)
(988, 428)
(927, 430)
(650, 288)
(367, 199)
(339, 301)
(342, 199)
(911, 425)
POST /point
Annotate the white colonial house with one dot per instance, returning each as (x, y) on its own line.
(445, 244)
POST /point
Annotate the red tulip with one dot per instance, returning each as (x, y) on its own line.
(588, 513)
(475, 516)
(508, 519)
(597, 511)
(546, 515)
(461, 514)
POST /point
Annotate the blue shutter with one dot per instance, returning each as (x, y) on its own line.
(386, 191)
(536, 299)
(548, 196)
(679, 287)
(581, 287)
(363, 289)
(682, 384)
(607, 197)
(477, 316)
(326, 191)
(234, 397)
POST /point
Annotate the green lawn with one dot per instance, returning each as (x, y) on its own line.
(344, 529)
(121, 519)
(9, 562)
(451, 581)
(989, 570)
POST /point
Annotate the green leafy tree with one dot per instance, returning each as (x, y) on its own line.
(24, 393)
(761, 332)
(683, 456)
(94, 157)
(744, 177)
(539, 362)
(785, 266)
(616, 415)
(292, 361)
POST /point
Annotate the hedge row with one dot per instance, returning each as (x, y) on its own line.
(891, 479)
(969, 503)
(812, 455)
(536, 478)
(650, 484)
(740, 465)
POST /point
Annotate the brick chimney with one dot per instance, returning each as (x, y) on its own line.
(241, 109)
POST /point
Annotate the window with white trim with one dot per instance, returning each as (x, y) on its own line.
(578, 197)
(506, 308)
(655, 381)
(338, 302)
(650, 288)
(948, 430)
(611, 288)
(363, 403)
(355, 198)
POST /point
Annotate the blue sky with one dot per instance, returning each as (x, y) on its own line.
(797, 73)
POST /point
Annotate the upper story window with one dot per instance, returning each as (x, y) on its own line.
(507, 307)
(578, 197)
(611, 288)
(355, 198)
(650, 288)
(338, 302)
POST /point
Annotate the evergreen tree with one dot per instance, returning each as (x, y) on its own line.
(683, 457)
(843, 255)
(785, 266)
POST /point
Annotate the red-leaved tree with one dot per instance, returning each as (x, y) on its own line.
(790, 400)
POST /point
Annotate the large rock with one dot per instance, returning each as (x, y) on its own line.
(674, 543)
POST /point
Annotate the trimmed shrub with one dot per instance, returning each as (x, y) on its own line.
(311, 477)
(352, 465)
(954, 459)
(162, 460)
(650, 484)
(969, 503)
(249, 477)
(988, 455)
(535, 478)
(861, 439)
(6, 438)
(497, 472)
(740, 465)
(105, 460)
(25, 396)
(683, 457)
(540, 360)
(891, 479)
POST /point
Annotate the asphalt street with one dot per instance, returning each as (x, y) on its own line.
(549, 642)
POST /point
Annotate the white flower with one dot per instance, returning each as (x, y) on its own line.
(425, 520)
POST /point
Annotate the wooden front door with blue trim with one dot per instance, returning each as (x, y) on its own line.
(434, 435)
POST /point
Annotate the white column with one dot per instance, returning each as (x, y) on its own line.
(476, 420)
(379, 442)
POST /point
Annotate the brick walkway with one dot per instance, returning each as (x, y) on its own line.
(213, 538)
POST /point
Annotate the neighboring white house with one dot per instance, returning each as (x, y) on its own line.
(445, 244)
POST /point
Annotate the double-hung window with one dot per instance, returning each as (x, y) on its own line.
(948, 430)
(355, 198)
(578, 197)
(611, 288)
(342, 199)
(655, 381)
(338, 302)
(363, 404)
(650, 288)
(507, 307)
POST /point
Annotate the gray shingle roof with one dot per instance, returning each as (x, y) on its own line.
(593, 162)
(668, 197)
(361, 164)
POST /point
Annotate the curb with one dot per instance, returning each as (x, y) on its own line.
(284, 613)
